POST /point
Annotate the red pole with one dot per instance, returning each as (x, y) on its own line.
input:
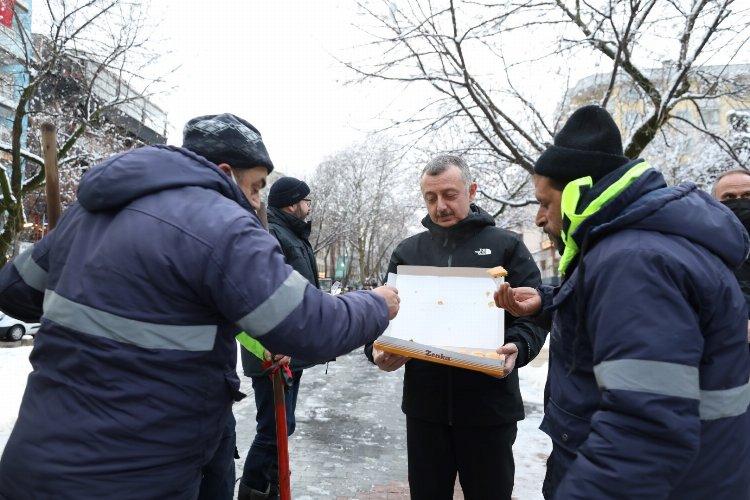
(279, 403)
(282, 443)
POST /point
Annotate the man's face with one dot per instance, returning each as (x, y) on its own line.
(733, 186)
(447, 197)
(549, 215)
(251, 181)
(302, 209)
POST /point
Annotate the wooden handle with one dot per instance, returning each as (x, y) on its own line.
(263, 215)
(51, 174)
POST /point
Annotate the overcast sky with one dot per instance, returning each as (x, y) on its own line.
(270, 62)
(273, 62)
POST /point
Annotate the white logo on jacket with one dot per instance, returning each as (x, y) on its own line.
(483, 251)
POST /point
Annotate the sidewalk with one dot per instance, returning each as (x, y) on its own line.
(350, 441)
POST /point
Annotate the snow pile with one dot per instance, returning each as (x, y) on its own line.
(532, 379)
(14, 369)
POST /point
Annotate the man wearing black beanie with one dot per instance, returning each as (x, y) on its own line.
(289, 206)
(647, 393)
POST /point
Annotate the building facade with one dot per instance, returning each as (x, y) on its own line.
(14, 49)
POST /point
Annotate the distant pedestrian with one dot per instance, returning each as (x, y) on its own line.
(289, 206)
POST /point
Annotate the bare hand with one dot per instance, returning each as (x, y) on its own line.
(282, 360)
(392, 300)
(522, 301)
(279, 359)
(510, 351)
(387, 361)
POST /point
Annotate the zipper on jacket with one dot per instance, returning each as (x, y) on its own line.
(450, 370)
(450, 255)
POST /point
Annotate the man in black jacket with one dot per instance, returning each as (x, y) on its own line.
(732, 188)
(288, 207)
(460, 421)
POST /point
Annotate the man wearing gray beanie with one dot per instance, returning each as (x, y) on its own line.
(141, 290)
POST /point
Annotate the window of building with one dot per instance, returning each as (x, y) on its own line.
(8, 68)
(683, 113)
(712, 117)
(629, 94)
(711, 112)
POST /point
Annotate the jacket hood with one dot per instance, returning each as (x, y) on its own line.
(476, 220)
(299, 227)
(683, 210)
(124, 178)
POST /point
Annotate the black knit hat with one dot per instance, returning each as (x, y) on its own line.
(588, 144)
(287, 191)
(226, 139)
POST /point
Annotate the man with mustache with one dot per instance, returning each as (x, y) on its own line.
(647, 393)
(460, 421)
(289, 206)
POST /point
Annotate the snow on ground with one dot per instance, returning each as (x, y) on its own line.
(350, 437)
(533, 377)
(532, 445)
(14, 369)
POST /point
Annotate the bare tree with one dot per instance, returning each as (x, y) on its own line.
(101, 50)
(364, 202)
(475, 58)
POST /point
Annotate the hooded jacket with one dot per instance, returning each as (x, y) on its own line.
(449, 395)
(648, 391)
(141, 289)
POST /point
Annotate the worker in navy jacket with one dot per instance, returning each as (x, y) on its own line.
(647, 394)
(141, 289)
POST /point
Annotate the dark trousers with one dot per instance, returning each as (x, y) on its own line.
(217, 481)
(261, 465)
(482, 456)
(557, 465)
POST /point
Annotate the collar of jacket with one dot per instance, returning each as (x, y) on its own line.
(463, 229)
(582, 199)
(297, 226)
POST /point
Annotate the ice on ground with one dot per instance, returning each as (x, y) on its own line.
(14, 370)
(532, 380)
(351, 434)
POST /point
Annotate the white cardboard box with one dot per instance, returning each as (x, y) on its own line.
(448, 316)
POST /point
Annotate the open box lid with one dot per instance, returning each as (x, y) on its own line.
(447, 307)
(447, 315)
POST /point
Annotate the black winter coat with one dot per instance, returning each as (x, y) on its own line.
(456, 396)
(292, 234)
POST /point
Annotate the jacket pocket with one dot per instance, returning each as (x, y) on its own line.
(233, 385)
(566, 429)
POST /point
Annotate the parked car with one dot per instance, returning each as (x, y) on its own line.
(12, 329)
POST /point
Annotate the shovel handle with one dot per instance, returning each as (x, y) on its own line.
(282, 442)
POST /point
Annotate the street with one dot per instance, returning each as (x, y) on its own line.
(350, 440)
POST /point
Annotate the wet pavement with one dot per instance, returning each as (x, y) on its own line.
(350, 440)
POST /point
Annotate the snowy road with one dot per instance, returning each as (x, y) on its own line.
(350, 440)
